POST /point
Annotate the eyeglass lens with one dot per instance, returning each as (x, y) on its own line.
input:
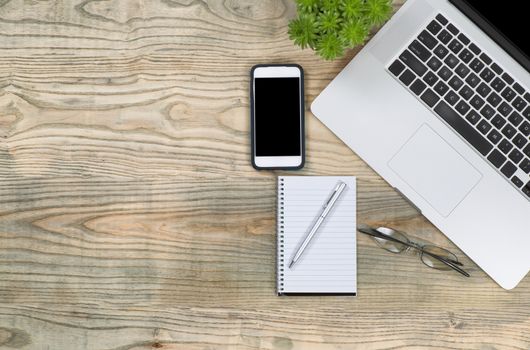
(435, 263)
(391, 246)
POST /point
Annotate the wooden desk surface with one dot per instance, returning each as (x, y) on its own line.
(130, 216)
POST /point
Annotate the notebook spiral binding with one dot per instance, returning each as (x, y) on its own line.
(280, 235)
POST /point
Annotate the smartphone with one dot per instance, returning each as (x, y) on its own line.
(277, 116)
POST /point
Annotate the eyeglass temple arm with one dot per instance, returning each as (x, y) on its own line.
(372, 232)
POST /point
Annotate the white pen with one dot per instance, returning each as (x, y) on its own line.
(325, 211)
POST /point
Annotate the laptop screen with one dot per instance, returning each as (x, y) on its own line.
(504, 21)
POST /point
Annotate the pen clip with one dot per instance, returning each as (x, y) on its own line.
(340, 185)
(331, 197)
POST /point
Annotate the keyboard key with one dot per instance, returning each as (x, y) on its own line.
(496, 68)
(474, 48)
(526, 113)
(417, 87)
(463, 128)
(396, 68)
(451, 98)
(427, 39)
(451, 61)
(519, 141)
(483, 89)
(517, 182)
(525, 165)
(440, 51)
(527, 150)
(462, 70)
(504, 109)
(515, 118)
(485, 58)
(494, 99)
(430, 98)
(498, 121)
(487, 74)
(505, 146)
(497, 84)
(494, 136)
(476, 102)
(527, 97)
(476, 65)
(508, 169)
(517, 87)
(419, 50)
(472, 80)
(456, 83)
(526, 189)
(434, 27)
(407, 77)
(473, 117)
(445, 73)
(455, 46)
(413, 63)
(441, 19)
(441, 88)
(434, 63)
(515, 156)
(445, 37)
(466, 92)
(519, 103)
(508, 94)
(452, 29)
(465, 55)
(484, 127)
(462, 107)
(507, 78)
(509, 131)
(496, 158)
(430, 78)
(463, 38)
(525, 128)
(487, 112)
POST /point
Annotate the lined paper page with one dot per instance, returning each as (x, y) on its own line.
(329, 263)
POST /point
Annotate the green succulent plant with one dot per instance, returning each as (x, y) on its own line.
(329, 27)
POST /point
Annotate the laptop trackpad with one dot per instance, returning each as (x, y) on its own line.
(439, 174)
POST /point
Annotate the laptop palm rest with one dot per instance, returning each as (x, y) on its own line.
(434, 170)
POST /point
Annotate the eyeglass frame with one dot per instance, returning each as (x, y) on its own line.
(411, 244)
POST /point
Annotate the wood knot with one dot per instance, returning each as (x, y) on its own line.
(454, 322)
(14, 338)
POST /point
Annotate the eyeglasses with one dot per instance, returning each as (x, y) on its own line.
(397, 242)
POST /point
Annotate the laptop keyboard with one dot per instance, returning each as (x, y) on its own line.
(451, 75)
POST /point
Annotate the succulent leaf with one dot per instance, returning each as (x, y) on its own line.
(378, 11)
(355, 33)
(329, 21)
(331, 5)
(307, 5)
(303, 31)
(330, 46)
(352, 8)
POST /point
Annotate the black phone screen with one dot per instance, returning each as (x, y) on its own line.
(277, 117)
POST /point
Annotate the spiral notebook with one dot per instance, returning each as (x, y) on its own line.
(329, 263)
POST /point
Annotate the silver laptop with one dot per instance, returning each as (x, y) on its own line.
(438, 103)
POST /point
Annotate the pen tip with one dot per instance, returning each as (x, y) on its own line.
(291, 263)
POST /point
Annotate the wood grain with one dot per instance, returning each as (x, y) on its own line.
(130, 217)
